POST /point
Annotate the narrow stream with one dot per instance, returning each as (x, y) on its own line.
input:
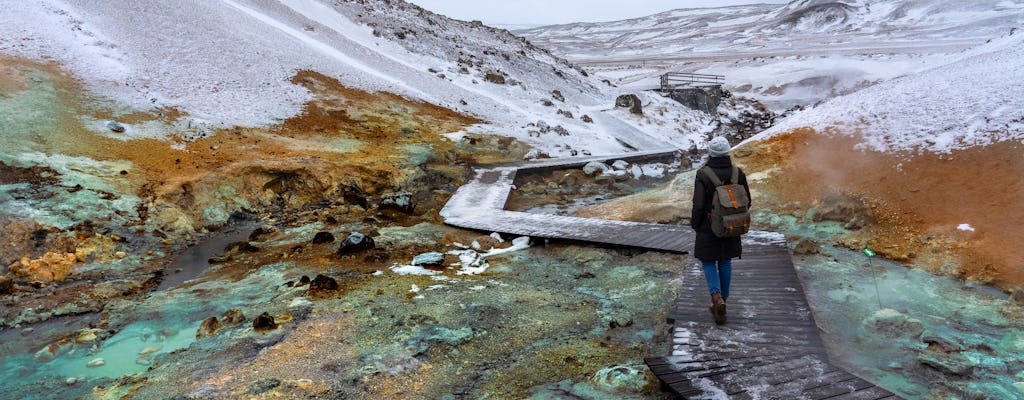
(192, 261)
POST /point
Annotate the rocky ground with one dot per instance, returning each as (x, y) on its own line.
(309, 228)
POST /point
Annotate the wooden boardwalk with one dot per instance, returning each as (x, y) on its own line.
(480, 204)
(769, 349)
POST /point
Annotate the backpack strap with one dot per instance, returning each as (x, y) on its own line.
(735, 175)
(708, 172)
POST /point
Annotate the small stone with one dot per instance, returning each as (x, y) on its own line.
(96, 362)
(323, 237)
(233, 316)
(494, 78)
(207, 328)
(264, 322)
(322, 284)
(114, 126)
(304, 280)
(150, 349)
(120, 255)
(586, 118)
(6, 285)
(355, 242)
(71, 381)
(429, 259)
(630, 101)
(557, 95)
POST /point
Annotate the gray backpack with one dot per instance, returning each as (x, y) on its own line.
(730, 205)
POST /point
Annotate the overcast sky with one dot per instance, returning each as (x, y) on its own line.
(546, 12)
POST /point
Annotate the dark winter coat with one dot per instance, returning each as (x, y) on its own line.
(709, 247)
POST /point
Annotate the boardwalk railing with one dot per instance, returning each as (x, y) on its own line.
(675, 80)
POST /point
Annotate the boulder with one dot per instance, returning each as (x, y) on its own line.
(586, 118)
(264, 322)
(630, 101)
(355, 243)
(429, 259)
(561, 131)
(620, 164)
(557, 95)
(622, 379)
(323, 237)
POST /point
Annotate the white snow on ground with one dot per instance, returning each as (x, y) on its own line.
(974, 101)
(229, 62)
(965, 227)
(784, 54)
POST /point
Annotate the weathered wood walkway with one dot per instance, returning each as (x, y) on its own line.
(769, 349)
(480, 204)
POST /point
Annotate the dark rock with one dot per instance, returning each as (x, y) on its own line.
(304, 280)
(401, 202)
(429, 259)
(630, 101)
(114, 126)
(263, 385)
(586, 118)
(564, 113)
(323, 237)
(354, 195)
(547, 103)
(260, 232)
(355, 242)
(494, 78)
(561, 131)
(557, 95)
(322, 284)
(233, 316)
(6, 285)
(207, 328)
(264, 322)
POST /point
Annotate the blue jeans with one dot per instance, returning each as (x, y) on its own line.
(718, 274)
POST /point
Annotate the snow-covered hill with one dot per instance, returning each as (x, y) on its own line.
(228, 63)
(794, 54)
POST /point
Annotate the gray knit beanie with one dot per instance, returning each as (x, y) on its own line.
(719, 147)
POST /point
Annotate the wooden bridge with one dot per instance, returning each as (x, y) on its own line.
(676, 80)
(769, 349)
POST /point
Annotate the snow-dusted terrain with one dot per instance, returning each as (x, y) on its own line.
(794, 54)
(229, 63)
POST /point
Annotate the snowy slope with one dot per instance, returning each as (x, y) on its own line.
(975, 100)
(798, 53)
(229, 62)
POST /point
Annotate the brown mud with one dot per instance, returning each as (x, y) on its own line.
(915, 201)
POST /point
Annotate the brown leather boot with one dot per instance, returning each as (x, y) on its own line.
(718, 308)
